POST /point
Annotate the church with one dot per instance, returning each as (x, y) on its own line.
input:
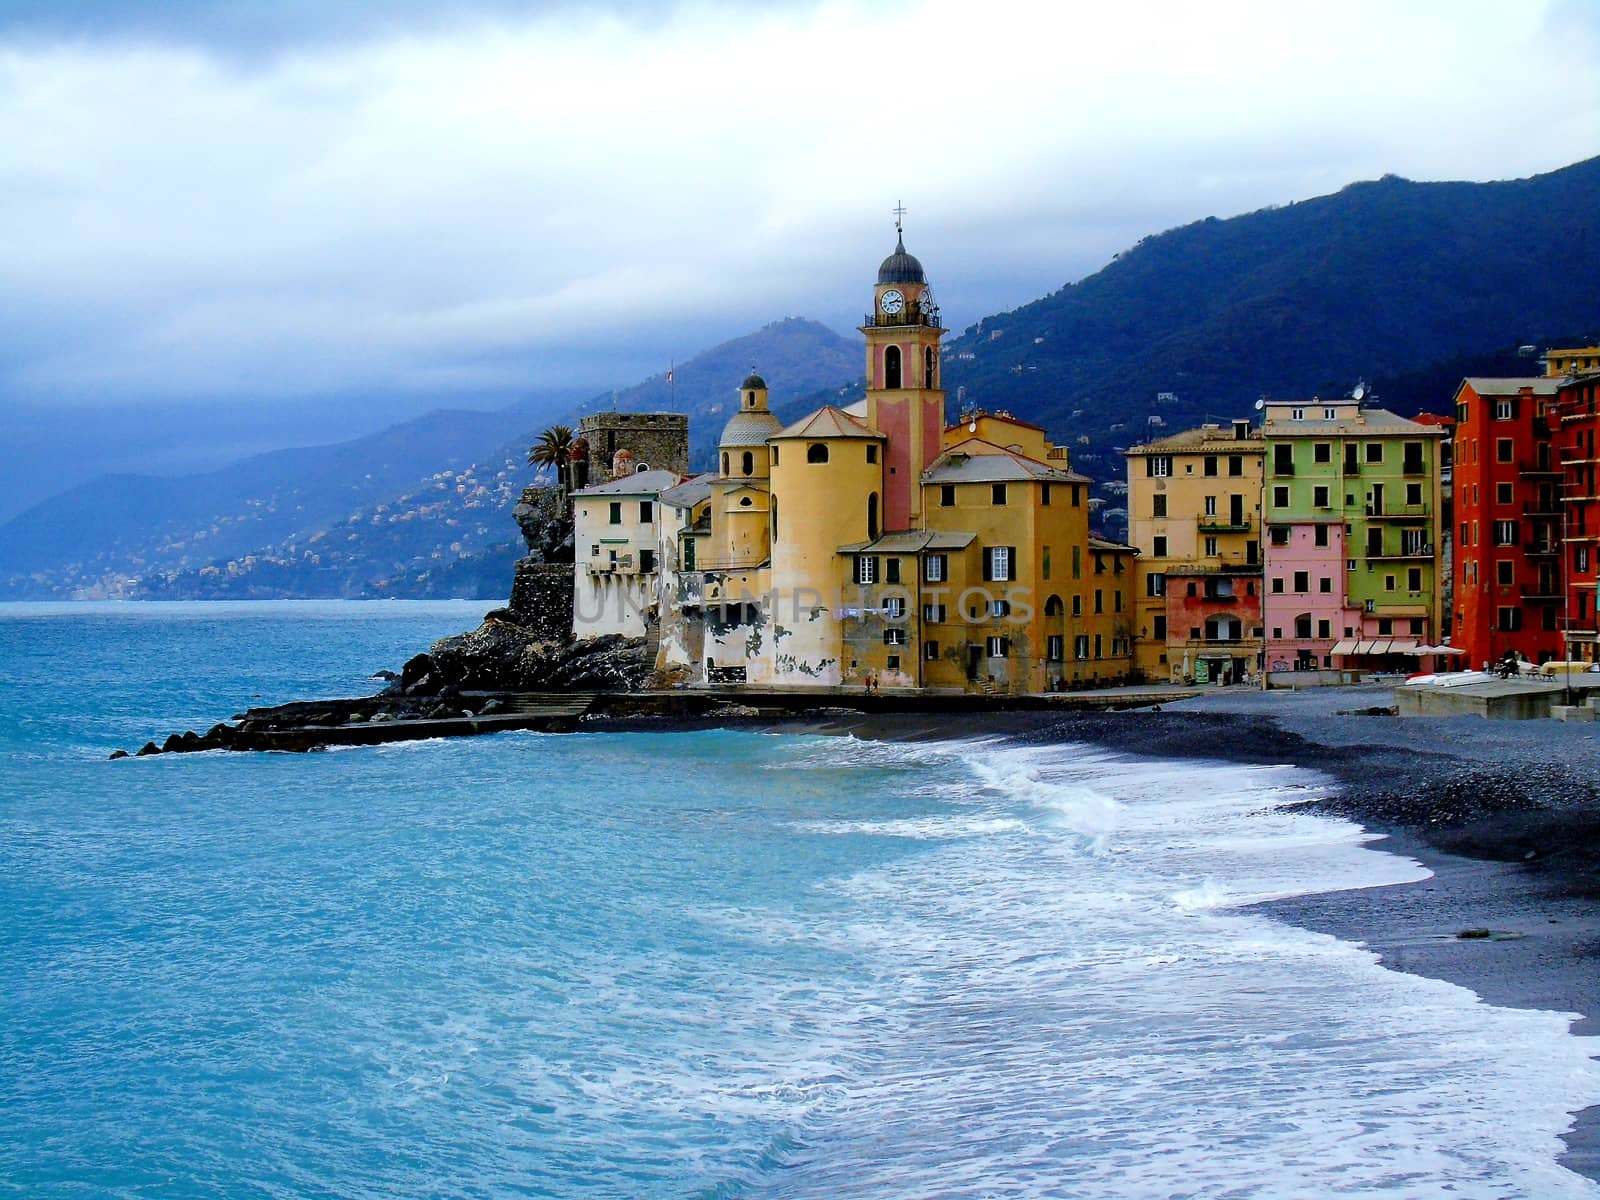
(873, 544)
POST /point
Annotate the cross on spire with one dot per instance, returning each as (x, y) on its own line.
(899, 212)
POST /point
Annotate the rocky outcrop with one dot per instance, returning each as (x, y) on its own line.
(506, 657)
(544, 514)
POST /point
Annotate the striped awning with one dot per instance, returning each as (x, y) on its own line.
(1343, 648)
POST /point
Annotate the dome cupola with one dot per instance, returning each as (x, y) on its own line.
(901, 267)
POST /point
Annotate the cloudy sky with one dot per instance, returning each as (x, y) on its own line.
(284, 203)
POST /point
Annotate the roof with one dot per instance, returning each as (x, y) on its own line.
(1375, 646)
(749, 428)
(981, 415)
(912, 541)
(901, 267)
(1099, 543)
(997, 465)
(1207, 437)
(1539, 385)
(827, 422)
(1373, 422)
(644, 483)
(858, 410)
(691, 492)
(753, 380)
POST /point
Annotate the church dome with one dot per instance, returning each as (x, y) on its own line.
(753, 380)
(750, 428)
(901, 267)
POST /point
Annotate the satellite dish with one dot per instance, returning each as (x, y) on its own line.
(973, 427)
(1260, 404)
(1360, 393)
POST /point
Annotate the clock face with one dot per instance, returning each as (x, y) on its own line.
(891, 302)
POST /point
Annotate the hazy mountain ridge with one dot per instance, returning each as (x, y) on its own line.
(445, 531)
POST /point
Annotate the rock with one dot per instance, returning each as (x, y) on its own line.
(386, 676)
(418, 667)
(492, 706)
(544, 514)
(147, 749)
(116, 754)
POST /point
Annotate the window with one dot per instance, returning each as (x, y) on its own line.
(1211, 547)
(933, 568)
(1099, 601)
(1502, 493)
(1044, 496)
(1236, 464)
(1504, 450)
(817, 452)
(774, 456)
(1158, 466)
(933, 614)
(1324, 629)
(1319, 496)
(1077, 562)
(1504, 572)
(1414, 494)
(747, 462)
(647, 511)
(1280, 496)
(1322, 452)
(1324, 585)
(1278, 535)
(1158, 546)
(999, 563)
(1158, 628)
(928, 364)
(1509, 619)
(866, 569)
(930, 651)
(1413, 579)
(1097, 645)
(998, 647)
(894, 637)
(1413, 541)
(1297, 414)
(997, 493)
(1077, 604)
(1505, 533)
(1329, 414)
(891, 662)
(1502, 409)
(891, 367)
(999, 608)
(872, 452)
(1319, 535)
(1210, 464)
(688, 554)
(1155, 584)
(1055, 646)
(1580, 559)
(894, 607)
(947, 495)
(1277, 585)
(1211, 506)
(1283, 460)
(1388, 583)
(616, 512)
(647, 561)
(1116, 599)
(1302, 581)
(891, 570)
(1302, 625)
(724, 462)
(1374, 452)
(1080, 647)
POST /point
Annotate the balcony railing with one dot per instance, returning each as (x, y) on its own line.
(1217, 525)
(910, 315)
(1542, 508)
(1540, 548)
(1399, 512)
(1424, 552)
(1535, 468)
(1540, 591)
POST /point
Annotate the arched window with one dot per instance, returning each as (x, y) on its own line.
(749, 399)
(748, 462)
(1052, 606)
(891, 367)
(817, 452)
(724, 462)
(745, 502)
(928, 364)
(872, 517)
(774, 518)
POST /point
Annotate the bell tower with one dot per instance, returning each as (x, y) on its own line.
(904, 399)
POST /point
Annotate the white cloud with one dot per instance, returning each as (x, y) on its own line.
(462, 201)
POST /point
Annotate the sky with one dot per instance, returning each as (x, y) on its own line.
(293, 207)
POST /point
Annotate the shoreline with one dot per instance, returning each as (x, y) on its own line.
(1505, 815)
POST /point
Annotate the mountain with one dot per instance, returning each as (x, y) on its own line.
(421, 509)
(1380, 279)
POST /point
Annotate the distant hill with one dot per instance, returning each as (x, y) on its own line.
(422, 509)
(1379, 279)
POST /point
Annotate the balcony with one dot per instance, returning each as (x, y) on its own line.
(1540, 549)
(1536, 469)
(1542, 508)
(911, 315)
(1411, 467)
(1399, 512)
(1426, 552)
(1541, 591)
(1282, 470)
(1217, 525)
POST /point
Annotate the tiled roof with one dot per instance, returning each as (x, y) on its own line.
(912, 541)
(645, 483)
(1373, 422)
(749, 429)
(1540, 385)
(827, 422)
(690, 492)
(1205, 437)
(994, 465)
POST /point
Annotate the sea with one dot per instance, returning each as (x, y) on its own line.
(718, 964)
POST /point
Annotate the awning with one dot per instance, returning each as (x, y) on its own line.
(1343, 648)
(1365, 648)
(1402, 645)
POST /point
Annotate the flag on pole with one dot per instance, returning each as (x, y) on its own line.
(669, 374)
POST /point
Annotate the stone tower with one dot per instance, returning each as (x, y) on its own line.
(658, 442)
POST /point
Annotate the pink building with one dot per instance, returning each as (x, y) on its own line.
(1303, 603)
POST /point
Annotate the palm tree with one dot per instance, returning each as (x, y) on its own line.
(554, 449)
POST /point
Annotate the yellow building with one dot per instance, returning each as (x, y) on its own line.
(876, 543)
(1194, 514)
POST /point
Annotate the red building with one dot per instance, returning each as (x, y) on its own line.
(1507, 492)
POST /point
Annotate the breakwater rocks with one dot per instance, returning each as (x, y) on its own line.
(502, 655)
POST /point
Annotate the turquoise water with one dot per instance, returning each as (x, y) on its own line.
(718, 964)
